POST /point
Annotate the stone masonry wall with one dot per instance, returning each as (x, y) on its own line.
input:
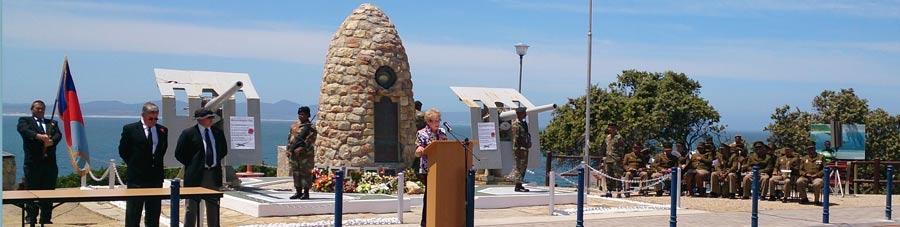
(365, 41)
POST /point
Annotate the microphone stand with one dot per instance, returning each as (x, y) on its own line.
(465, 145)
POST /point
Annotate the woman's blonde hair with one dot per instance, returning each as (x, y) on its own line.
(432, 114)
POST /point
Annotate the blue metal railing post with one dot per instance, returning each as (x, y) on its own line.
(174, 201)
(673, 192)
(338, 197)
(890, 191)
(470, 198)
(580, 214)
(754, 214)
(826, 190)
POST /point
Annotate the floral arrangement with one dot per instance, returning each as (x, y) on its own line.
(376, 183)
(367, 182)
(324, 182)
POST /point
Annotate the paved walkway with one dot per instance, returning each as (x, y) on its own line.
(865, 216)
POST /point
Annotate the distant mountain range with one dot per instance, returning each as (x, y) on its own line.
(281, 110)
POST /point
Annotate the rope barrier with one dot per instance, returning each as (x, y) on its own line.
(601, 173)
(106, 174)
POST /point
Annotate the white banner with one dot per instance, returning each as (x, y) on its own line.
(242, 131)
(487, 136)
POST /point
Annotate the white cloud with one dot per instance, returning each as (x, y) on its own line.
(70, 31)
(883, 9)
(556, 69)
(105, 7)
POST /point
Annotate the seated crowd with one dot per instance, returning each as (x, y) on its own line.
(785, 174)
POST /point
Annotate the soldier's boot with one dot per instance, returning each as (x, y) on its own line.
(702, 191)
(298, 194)
(520, 188)
(804, 201)
(305, 194)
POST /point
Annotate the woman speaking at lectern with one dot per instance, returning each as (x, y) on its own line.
(425, 136)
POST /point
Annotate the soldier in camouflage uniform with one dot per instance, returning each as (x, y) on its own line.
(420, 116)
(301, 154)
(521, 143)
(811, 166)
(615, 146)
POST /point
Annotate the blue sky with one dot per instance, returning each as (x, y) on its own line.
(751, 56)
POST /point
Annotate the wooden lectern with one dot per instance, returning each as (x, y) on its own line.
(447, 183)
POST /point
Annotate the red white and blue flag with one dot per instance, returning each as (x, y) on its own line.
(72, 120)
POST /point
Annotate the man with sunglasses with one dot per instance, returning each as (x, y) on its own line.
(142, 146)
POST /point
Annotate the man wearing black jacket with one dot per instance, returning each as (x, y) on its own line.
(142, 146)
(39, 137)
(201, 148)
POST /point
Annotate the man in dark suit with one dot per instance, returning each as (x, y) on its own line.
(201, 149)
(40, 137)
(142, 146)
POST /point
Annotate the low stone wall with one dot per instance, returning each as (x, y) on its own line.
(9, 171)
(284, 167)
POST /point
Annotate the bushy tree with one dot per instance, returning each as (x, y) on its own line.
(882, 135)
(647, 107)
(843, 106)
(789, 128)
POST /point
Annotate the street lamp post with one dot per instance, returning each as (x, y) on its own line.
(521, 49)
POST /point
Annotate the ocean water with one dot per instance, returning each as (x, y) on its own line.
(104, 132)
(103, 135)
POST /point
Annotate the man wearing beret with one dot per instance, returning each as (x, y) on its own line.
(662, 165)
(301, 154)
(766, 163)
(521, 143)
(615, 151)
(811, 166)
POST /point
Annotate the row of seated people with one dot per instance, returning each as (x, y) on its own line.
(728, 170)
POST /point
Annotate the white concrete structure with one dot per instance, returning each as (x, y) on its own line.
(497, 105)
(194, 84)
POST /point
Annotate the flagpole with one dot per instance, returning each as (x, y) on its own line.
(62, 76)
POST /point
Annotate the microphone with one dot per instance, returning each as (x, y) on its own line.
(447, 126)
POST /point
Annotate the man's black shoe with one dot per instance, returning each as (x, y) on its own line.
(295, 196)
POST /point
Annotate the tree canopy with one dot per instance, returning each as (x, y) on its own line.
(791, 128)
(647, 106)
